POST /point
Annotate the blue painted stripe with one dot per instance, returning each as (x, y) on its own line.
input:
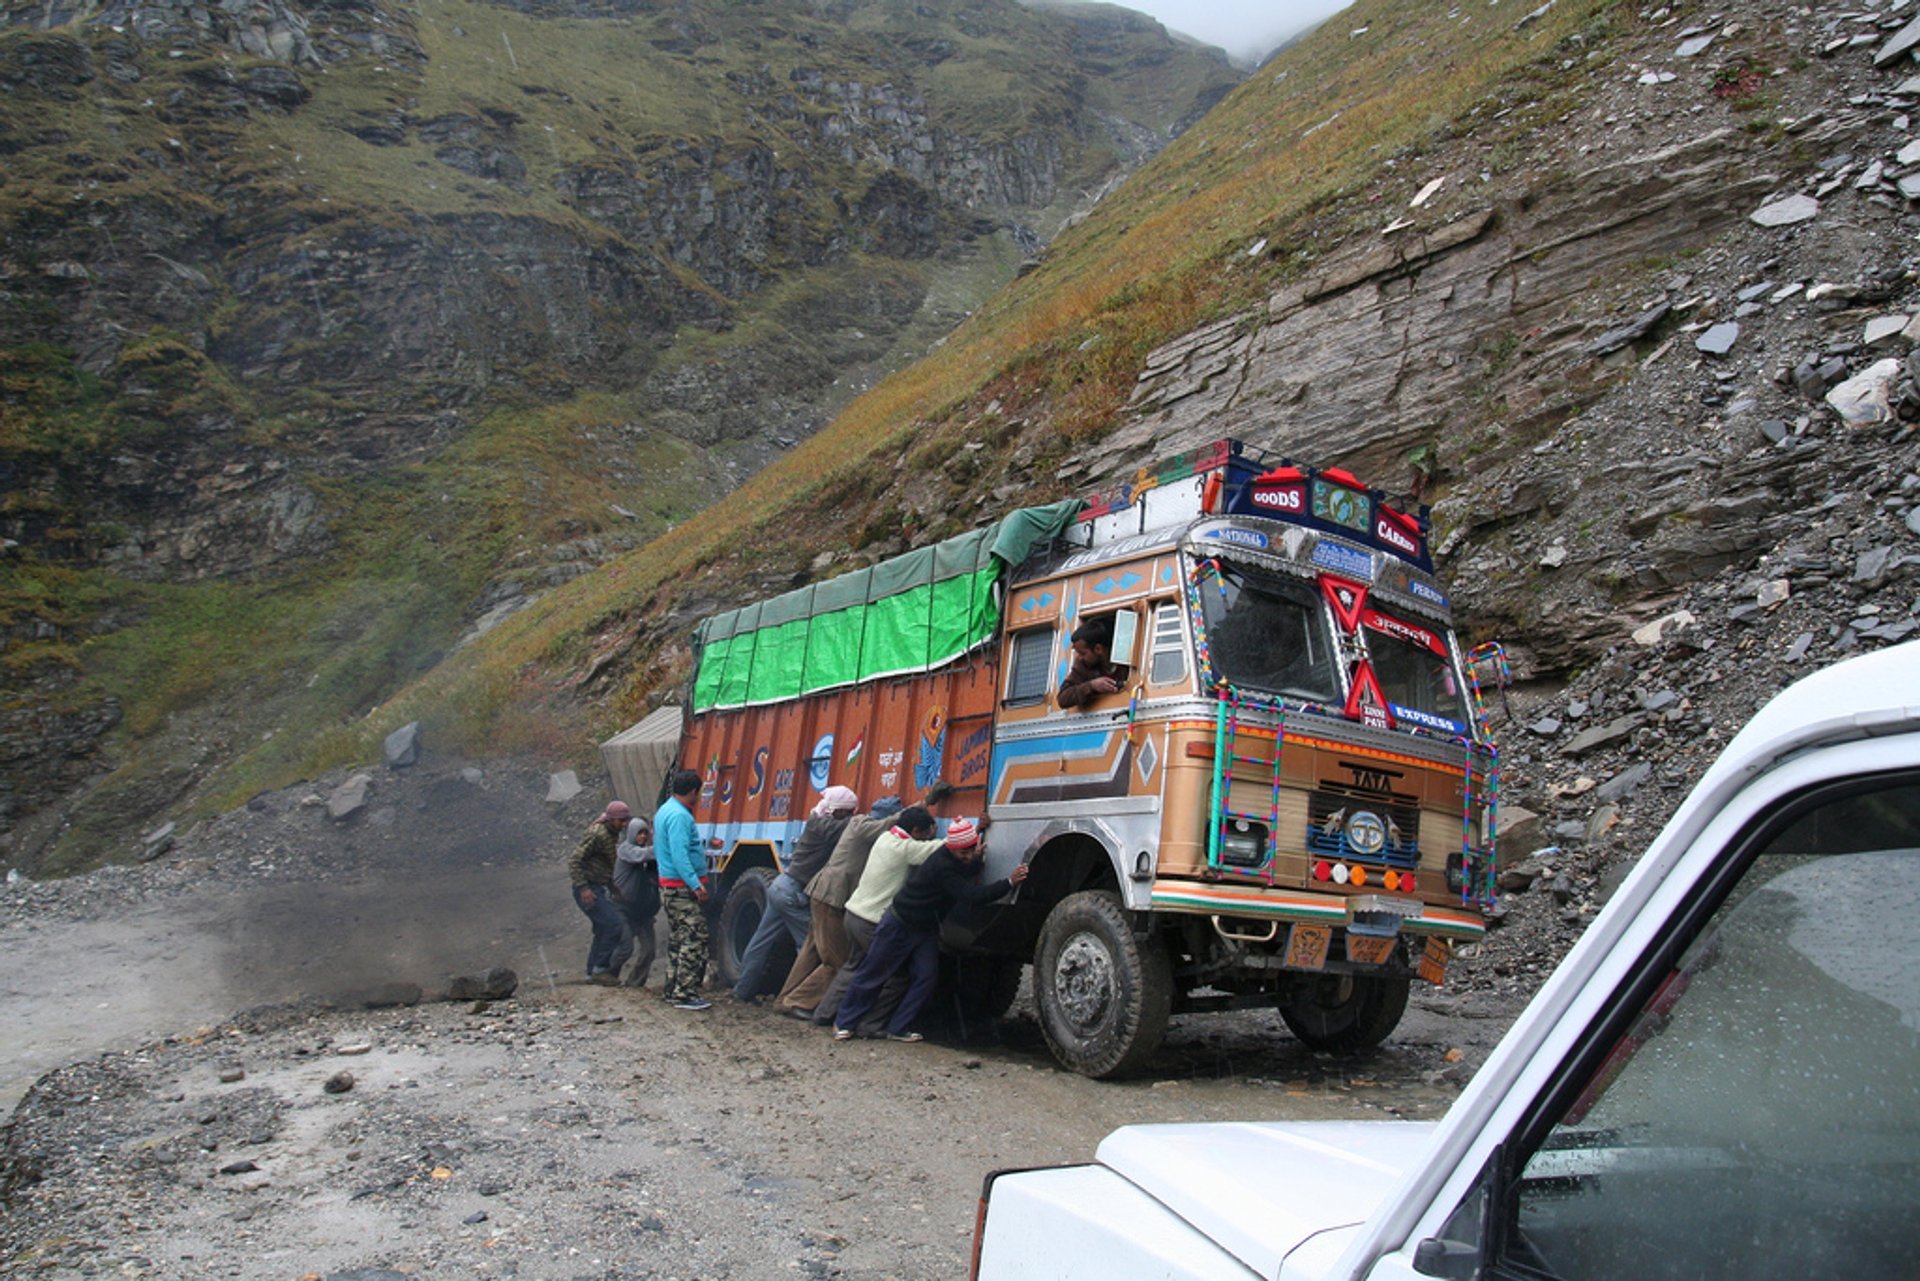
(1083, 743)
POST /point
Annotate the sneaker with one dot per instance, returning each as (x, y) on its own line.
(693, 1003)
(908, 1037)
(604, 978)
(843, 1034)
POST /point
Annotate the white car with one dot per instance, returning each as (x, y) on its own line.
(1722, 1079)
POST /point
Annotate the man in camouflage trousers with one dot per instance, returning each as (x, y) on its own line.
(683, 891)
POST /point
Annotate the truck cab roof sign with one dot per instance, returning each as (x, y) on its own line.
(1334, 501)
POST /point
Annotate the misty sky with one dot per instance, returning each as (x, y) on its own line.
(1244, 28)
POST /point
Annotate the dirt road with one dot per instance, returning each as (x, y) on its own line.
(570, 1132)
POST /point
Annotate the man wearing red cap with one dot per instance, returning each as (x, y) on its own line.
(909, 933)
(591, 868)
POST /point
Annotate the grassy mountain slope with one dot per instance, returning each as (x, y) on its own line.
(326, 331)
(1291, 158)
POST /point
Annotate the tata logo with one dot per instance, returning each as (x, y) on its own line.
(1393, 536)
(1366, 834)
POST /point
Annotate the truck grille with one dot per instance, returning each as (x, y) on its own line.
(1363, 829)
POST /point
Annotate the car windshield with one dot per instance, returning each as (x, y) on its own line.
(1269, 634)
(1416, 672)
(1761, 1117)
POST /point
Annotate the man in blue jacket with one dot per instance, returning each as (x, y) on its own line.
(683, 892)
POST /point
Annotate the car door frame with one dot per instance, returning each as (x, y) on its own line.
(1677, 884)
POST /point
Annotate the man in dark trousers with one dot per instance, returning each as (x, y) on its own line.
(591, 870)
(909, 933)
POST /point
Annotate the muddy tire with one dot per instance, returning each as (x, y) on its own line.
(739, 916)
(1346, 1013)
(1102, 994)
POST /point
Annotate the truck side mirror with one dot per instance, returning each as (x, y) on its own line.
(1126, 639)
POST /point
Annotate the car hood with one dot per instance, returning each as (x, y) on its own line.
(1260, 1189)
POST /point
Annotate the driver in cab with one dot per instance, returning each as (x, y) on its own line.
(1092, 673)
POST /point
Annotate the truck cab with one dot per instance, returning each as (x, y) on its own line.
(1722, 1078)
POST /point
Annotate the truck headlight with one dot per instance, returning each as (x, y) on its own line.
(1244, 843)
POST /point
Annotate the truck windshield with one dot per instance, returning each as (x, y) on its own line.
(1414, 677)
(1269, 634)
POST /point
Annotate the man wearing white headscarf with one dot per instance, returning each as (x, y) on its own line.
(788, 909)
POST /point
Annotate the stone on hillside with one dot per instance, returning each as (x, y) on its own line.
(1900, 42)
(472, 774)
(496, 984)
(1653, 633)
(1554, 557)
(1798, 650)
(156, 842)
(1913, 521)
(1601, 735)
(1786, 211)
(1910, 186)
(1604, 820)
(1865, 399)
(387, 996)
(403, 746)
(348, 798)
(1521, 876)
(1775, 430)
(1870, 567)
(1773, 592)
(1693, 48)
(1870, 177)
(1718, 340)
(1624, 784)
(1546, 726)
(1519, 827)
(1631, 332)
(1882, 330)
(562, 787)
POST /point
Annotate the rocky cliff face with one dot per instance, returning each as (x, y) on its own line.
(275, 270)
(1662, 394)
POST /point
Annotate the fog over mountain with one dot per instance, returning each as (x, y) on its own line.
(1248, 30)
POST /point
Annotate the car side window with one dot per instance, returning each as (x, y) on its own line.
(1760, 1115)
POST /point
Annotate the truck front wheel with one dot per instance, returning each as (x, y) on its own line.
(1103, 994)
(1346, 1013)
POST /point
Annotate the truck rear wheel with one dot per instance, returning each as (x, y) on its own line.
(740, 915)
(1347, 1013)
(1103, 995)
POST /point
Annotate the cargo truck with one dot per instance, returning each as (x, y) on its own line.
(1289, 802)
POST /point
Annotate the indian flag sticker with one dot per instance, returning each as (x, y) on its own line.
(853, 753)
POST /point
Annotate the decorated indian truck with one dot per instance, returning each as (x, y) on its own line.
(1289, 803)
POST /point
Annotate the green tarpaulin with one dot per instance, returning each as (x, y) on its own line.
(912, 613)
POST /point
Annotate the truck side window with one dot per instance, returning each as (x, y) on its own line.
(1760, 1115)
(1169, 660)
(1027, 669)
